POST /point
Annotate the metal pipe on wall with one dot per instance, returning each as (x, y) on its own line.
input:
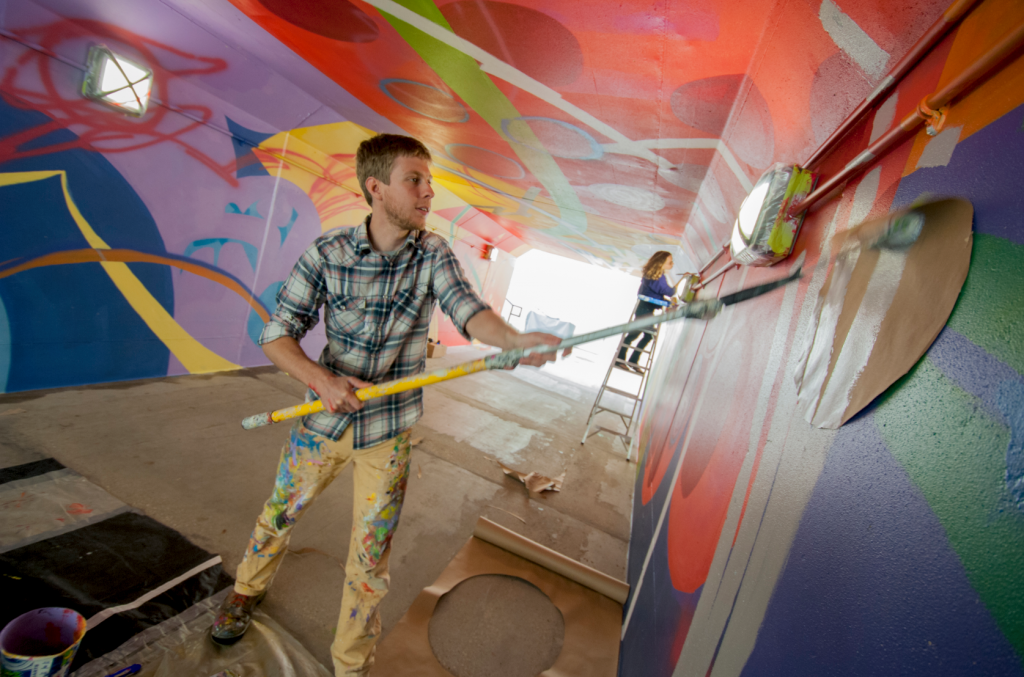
(950, 18)
(725, 269)
(928, 110)
(721, 251)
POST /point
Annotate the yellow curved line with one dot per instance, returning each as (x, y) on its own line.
(194, 356)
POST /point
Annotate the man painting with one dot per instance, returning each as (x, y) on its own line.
(378, 284)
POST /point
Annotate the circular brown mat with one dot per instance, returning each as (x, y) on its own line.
(496, 625)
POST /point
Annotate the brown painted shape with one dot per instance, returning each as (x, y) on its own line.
(933, 276)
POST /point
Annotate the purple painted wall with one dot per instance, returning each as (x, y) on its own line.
(202, 227)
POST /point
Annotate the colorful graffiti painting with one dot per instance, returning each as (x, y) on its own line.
(598, 131)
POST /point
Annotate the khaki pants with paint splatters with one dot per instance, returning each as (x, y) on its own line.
(309, 463)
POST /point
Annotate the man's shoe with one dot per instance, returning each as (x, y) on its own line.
(234, 618)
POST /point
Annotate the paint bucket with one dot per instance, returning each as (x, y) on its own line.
(41, 643)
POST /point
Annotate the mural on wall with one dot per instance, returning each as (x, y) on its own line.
(763, 546)
(167, 238)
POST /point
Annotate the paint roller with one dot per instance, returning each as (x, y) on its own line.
(898, 232)
(703, 310)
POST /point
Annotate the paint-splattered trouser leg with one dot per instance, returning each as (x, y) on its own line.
(380, 476)
(309, 463)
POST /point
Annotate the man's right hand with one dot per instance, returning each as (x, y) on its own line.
(338, 392)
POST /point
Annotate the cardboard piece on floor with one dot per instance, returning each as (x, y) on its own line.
(435, 349)
(590, 646)
(535, 482)
(880, 310)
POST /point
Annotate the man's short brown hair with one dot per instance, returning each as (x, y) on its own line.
(376, 157)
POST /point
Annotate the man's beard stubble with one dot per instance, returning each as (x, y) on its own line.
(398, 220)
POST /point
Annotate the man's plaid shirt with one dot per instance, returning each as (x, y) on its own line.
(378, 313)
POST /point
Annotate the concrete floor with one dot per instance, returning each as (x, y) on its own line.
(174, 449)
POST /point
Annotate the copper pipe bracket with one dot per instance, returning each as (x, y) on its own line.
(934, 119)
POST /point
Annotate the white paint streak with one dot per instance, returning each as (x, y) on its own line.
(156, 592)
(884, 115)
(270, 213)
(500, 439)
(860, 341)
(630, 197)
(815, 371)
(864, 197)
(814, 293)
(710, 617)
(816, 355)
(852, 39)
(939, 150)
(791, 462)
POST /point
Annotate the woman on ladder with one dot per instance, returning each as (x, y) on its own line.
(654, 286)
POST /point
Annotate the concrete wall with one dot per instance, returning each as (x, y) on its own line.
(894, 545)
(199, 209)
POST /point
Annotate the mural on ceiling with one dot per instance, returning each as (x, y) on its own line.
(166, 238)
(589, 129)
(548, 117)
(763, 546)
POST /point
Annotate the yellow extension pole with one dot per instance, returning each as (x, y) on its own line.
(370, 392)
(704, 309)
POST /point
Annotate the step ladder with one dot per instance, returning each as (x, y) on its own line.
(635, 395)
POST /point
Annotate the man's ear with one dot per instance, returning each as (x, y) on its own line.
(373, 187)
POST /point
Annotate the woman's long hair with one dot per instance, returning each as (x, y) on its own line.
(653, 267)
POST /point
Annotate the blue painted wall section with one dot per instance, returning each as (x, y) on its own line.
(90, 327)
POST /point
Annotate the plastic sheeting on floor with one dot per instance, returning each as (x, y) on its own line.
(181, 646)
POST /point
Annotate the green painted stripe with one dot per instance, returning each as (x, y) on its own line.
(478, 91)
(956, 454)
(990, 311)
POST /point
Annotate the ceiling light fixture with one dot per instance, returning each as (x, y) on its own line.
(117, 82)
(764, 232)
